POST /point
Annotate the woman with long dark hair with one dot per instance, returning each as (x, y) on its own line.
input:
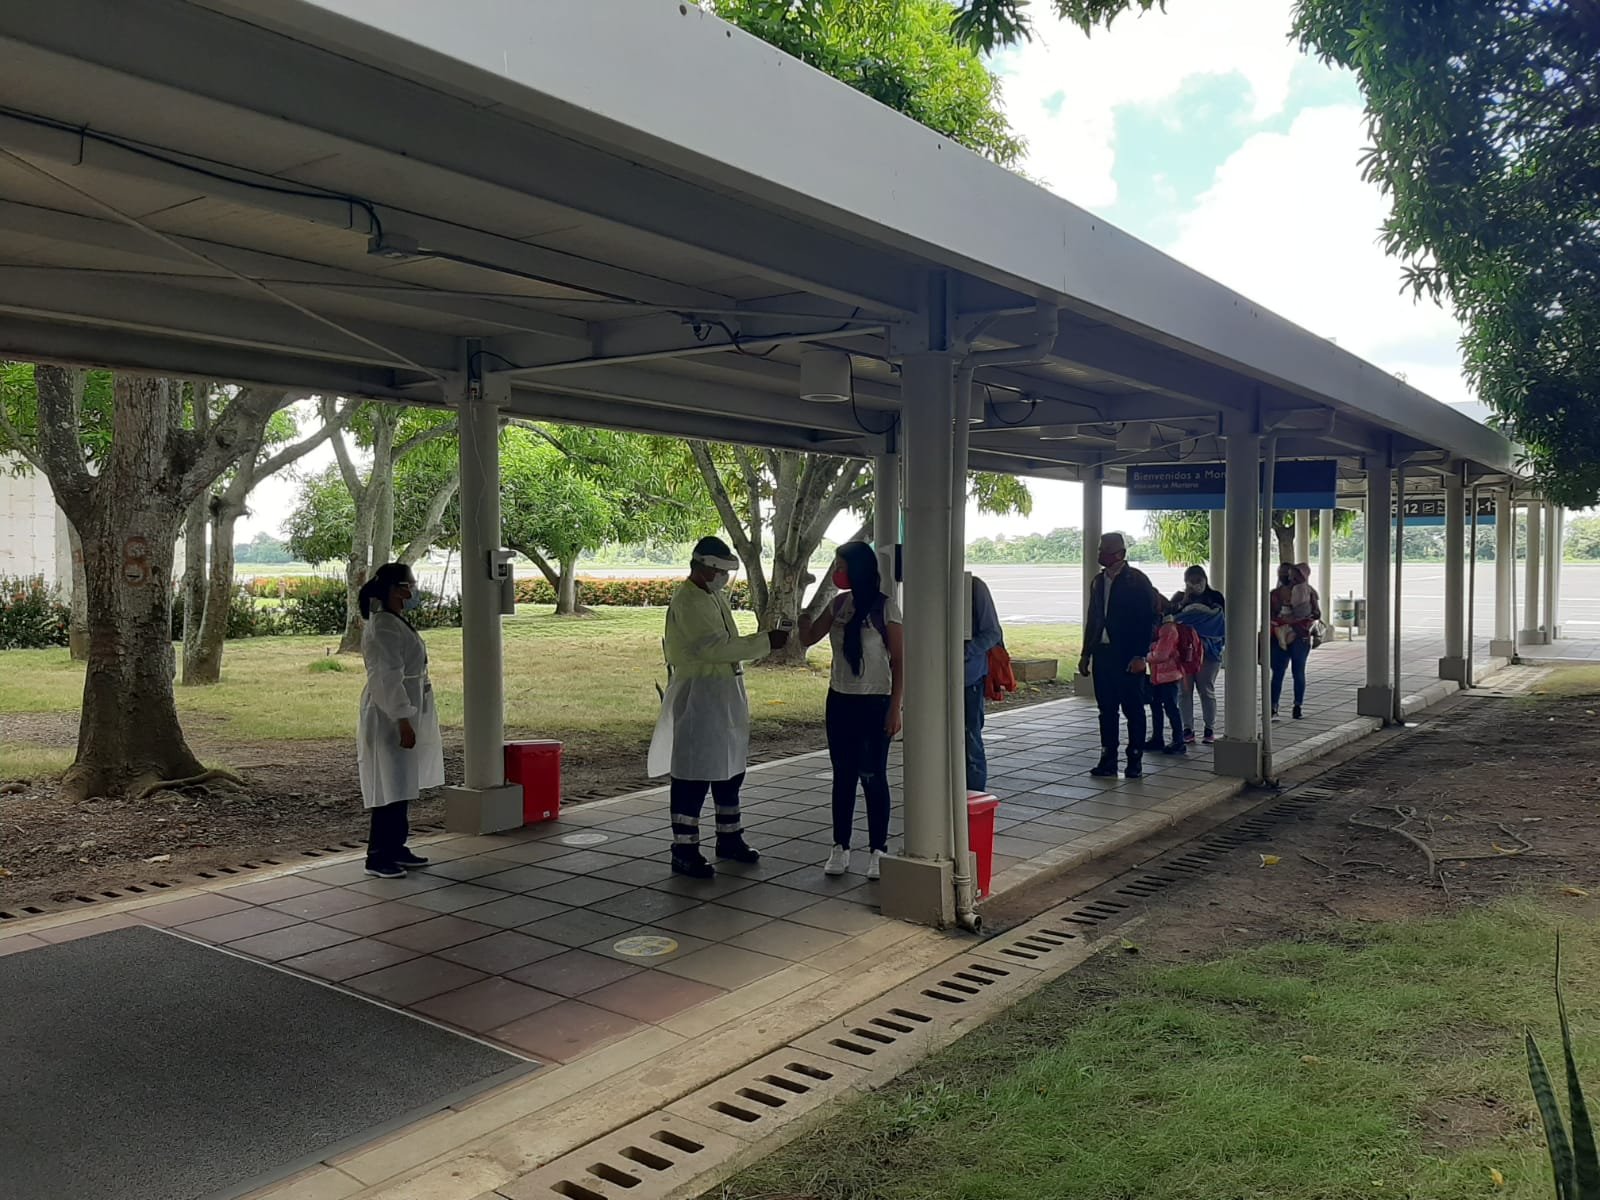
(398, 747)
(864, 697)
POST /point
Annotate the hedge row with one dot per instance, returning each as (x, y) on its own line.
(622, 593)
(33, 616)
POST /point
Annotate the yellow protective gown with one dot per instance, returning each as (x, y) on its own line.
(704, 728)
(397, 689)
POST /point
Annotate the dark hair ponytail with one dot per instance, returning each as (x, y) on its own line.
(376, 590)
(866, 588)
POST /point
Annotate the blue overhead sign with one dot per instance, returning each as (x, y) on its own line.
(1203, 486)
(1424, 511)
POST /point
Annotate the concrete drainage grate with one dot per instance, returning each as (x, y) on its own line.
(647, 1160)
(770, 1093)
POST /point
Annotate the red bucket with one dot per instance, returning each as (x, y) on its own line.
(980, 836)
(536, 766)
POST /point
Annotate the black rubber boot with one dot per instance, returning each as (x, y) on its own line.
(693, 864)
(1135, 765)
(736, 849)
(1108, 765)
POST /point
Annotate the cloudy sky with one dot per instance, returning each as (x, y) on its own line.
(1206, 133)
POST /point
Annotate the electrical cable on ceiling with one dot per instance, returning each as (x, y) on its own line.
(993, 410)
(894, 419)
(177, 245)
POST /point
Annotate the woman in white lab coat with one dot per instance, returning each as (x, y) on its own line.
(702, 738)
(398, 747)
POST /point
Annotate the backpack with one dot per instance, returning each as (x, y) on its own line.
(1191, 650)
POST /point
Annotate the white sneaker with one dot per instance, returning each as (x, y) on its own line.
(874, 864)
(838, 862)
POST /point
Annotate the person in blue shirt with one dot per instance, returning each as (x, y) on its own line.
(986, 636)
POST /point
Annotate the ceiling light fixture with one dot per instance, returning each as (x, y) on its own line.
(825, 375)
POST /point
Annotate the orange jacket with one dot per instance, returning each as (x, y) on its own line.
(1163, 657)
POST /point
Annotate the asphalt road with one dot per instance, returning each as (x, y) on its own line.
(1035, 595)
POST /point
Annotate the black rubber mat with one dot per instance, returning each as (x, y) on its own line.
(137, 1065)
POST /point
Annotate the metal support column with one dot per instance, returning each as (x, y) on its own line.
(1093, 522)
(1376, 699)
(1454, 663)
(917, 885)
(1302, 535)
(484, 804)
(1239, 752)
(1532, 629)
(1552, 556)
(1558, 551)
(1218, 568)
(1325, 562)
(886, 511)
(1504, 644)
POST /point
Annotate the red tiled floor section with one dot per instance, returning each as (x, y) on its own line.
(409, 982)
(502, 952)
(292, 941)
(314, 906)
(233, 926)
(379, 918)
(573, 973)
(487, 1004)
(565, 1031)
(350, 959)
(195, 908)
(429, 937)
(651, 996)
(286, 887)
(513, 911)
(455, 897)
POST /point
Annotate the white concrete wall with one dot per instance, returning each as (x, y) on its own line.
(33, 531)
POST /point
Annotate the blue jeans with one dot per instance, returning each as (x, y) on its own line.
(1299, 650)
(977, 760)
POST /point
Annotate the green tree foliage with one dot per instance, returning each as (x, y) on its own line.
(1583, 538)
(318, 528)
(1485, 124)
(899, 52)
(263, 549)
(1057, 546)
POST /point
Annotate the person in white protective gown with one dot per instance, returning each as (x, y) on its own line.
(398, 747)
(702, 739)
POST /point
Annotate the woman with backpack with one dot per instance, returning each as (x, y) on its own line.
(865, 691)
(1201, 607)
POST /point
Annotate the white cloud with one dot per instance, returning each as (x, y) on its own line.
(1290, 223)
(1063, 89)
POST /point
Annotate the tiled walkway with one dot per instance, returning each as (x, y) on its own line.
(562, 938)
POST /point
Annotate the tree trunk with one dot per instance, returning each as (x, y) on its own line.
(784, 591)
(194, 581)
(1285, 535)
(78, 625)
(567, 590)
(357, 570)
(205, 665)
(382, 519)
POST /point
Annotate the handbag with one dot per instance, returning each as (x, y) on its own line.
(1319, 633)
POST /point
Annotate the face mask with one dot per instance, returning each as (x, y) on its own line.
(1110, 558)
(1196, 588)
(717, 582)
(412, 602)
(841, 580)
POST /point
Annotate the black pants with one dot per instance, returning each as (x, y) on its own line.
(858, 748)
(977, 756)
(1165, 703)
(688, 797)
(1295, 656)
(1116, 689)
(387, 834)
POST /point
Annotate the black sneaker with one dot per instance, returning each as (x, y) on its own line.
(1210, 738)
(1175, 748)
(407, 859)
(1298, 715)
(736, 849)
(386, 870)
(1108, 766)
(1155, 746)
(695, 867)
(1135, 766)
(1188, 737)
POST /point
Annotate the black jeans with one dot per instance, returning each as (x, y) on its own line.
(977, 756)
(1165, 703)
(387, 833)
(1115, 688)
(1299, 650)
(688, 797)
(858, 748)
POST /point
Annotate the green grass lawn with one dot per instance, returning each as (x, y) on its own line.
(590, 679)
(1307, 1070)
